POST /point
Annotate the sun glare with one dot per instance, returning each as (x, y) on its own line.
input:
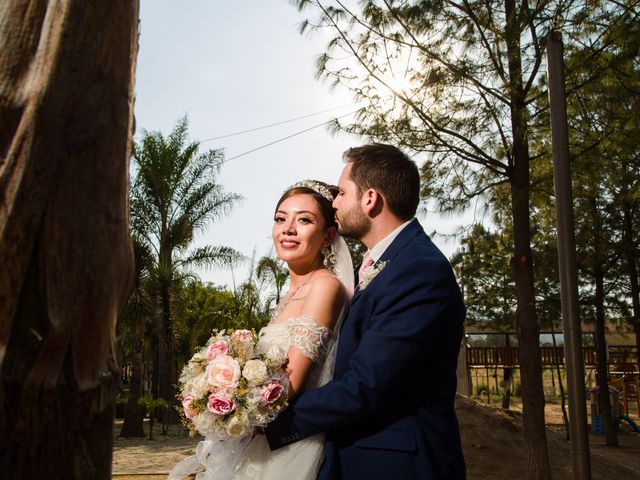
(394, 90)
(400, 85)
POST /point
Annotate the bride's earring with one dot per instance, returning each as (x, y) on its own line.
(329, 258)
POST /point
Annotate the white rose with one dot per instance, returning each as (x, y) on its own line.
(276, 354)
(199, 387)
(237, 426)
(255, 371)
(205, 422)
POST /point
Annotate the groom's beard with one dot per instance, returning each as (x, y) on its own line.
(353, 223)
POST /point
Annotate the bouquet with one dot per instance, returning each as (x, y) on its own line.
(230, 385)
(226, 389)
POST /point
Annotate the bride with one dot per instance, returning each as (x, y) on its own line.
(306, 320)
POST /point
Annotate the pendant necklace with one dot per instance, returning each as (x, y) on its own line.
(284, 301)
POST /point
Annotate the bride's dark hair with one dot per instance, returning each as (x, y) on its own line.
(328, 213)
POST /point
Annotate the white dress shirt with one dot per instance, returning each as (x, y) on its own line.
(379, 248)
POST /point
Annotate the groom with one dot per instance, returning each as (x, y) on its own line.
(389, 411)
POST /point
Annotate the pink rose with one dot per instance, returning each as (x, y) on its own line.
(271, 393)
(220, 403)
(186, 406)
(217, 348)
(223, 372)
(242, 336)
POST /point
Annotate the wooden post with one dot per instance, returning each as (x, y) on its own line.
(567, 259)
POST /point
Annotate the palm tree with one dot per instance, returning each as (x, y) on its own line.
(139, 308)
(174, 195)
(273, 271)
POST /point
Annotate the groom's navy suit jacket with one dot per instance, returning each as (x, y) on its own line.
(389, 412)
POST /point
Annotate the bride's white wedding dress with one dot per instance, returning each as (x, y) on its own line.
(300, 460)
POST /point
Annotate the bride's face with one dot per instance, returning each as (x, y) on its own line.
(299, 233)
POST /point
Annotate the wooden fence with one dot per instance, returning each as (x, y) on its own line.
(621, 358)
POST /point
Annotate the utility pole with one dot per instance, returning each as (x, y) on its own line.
(579, 436)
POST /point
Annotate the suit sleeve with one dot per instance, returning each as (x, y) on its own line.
(413, 314)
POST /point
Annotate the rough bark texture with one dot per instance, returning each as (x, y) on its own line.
(66, 101)
(529, 346)
(526, 317)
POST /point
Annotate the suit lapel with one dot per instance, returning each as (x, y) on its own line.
(407, 234)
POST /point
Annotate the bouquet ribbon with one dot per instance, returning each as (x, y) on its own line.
(218, 455)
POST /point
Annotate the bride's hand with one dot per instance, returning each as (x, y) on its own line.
(257, 431)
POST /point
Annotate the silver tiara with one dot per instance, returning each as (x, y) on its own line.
(315, 186)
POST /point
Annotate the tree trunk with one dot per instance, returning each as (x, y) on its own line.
(155, 368)
(506, 394)
(522, 264)
(563, 399)
(604, 400)
(507, 379)
(630, 253)
(66, 103)
(529, 345)
(167, 358)
(134, 415)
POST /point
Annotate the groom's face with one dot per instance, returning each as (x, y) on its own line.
(352, 221)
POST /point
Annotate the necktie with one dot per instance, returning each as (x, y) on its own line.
(367, 261)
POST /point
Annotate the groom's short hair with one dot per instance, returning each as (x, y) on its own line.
(391, 172)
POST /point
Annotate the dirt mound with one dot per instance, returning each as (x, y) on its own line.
(493, 444)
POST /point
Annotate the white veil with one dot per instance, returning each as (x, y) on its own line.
(343, 270)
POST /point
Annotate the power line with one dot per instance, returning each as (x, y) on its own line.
(270, 125)
(289, 136)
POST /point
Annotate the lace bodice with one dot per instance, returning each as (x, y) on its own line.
(303, 332)
(310, 338)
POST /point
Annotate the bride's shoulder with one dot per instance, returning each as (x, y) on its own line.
(326, 298)
(326, 285)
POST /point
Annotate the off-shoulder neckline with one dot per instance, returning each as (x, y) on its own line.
(290, 320)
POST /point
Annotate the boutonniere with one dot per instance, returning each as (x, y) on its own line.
(371, 273)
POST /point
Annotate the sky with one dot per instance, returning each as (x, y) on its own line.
(236, 66)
